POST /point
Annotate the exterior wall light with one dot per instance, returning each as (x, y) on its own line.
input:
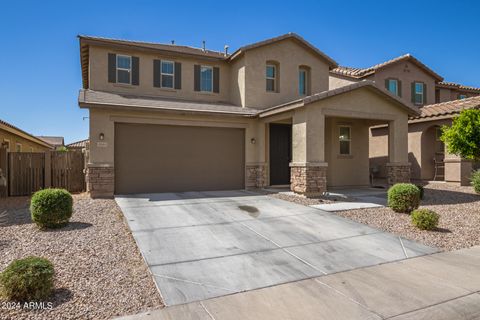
(253, 141)
(101, 136)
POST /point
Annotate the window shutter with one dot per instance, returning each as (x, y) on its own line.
(112, 67)
(135, 71)
(424, 93)
(413, 92)
(156, 73)
(196, 77)
(399, 83)
(178, 75)
(386, 83)
(216, 79)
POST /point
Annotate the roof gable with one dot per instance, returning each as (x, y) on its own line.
(359, 73)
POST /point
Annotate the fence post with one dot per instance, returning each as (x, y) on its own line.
(48, 169)
(4, 169)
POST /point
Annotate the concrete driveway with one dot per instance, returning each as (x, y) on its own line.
(200, 245)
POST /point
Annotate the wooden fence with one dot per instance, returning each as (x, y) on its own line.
(27, 172)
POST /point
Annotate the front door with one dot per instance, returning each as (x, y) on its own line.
(280, 153)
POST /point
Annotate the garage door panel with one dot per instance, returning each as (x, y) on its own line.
(160, 158)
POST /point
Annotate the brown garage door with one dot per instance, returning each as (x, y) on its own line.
(161, 158)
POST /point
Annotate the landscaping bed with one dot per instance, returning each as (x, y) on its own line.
(99, 270)
(459, 210)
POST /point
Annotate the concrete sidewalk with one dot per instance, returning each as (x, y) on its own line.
(439, 286)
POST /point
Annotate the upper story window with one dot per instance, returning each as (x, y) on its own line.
(271, 76)
(394, 86)
(419, 93)
(345, 140)
(167, 74)
(206, 79)
(462, 96)
(6, 144)
(304, 81)
(18, 147)
(124, 69)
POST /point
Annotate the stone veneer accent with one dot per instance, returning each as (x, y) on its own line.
(309, 180)
(398, 173)
(100, 181)
(256, 175)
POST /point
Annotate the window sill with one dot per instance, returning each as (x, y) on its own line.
(345, 156)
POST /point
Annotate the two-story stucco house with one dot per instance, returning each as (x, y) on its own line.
(168, 118)
(412, 81)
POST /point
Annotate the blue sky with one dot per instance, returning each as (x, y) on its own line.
(40, 71)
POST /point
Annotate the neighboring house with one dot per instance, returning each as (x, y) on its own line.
(78, 145)
(57, 142)
(170, 118)
(416, 84)
(16, 140)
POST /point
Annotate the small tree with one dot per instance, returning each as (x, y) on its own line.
(463, 137)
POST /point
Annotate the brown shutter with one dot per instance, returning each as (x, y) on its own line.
(156, 73)
(135, 71)
(112, 67)
(386, 84)
(216, 79)
(196, 77)
(178, 75)
(424, 93)
(413, 92)
(399, 83)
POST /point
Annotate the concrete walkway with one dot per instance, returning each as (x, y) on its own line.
(440, 286)
(354, 198)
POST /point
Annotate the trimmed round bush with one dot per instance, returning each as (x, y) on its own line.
(403, 197)
(29, 279)
(425, 219)
(51, 208)
(476, 181)
(422, 191)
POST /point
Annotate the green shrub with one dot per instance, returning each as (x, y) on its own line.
(51, 208)
(422, 191)
(476, 181)
(403, 197)
(425, 219)
(29, 279)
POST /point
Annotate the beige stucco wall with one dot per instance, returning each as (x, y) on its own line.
(290, 56)
(26, 144)
(337, 81)
(446, 94)
(98, 78)
(407, 73)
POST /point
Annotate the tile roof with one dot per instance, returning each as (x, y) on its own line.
(412, 110)
(363, 72)
(54, 141)
(459, 86)
(32, 137)
(87, 98)
(290, 35)
(448, 108)
(78, 144)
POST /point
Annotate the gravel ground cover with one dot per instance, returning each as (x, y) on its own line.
(459, 210)
(99, 270)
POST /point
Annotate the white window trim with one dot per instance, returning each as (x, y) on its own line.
(396, 87)
(420, 93)
(349, 140)
(305, 84)
(124, 69)
(17, 145)
(274, 78)
(211, 80)
(172, 74)
(8, 142)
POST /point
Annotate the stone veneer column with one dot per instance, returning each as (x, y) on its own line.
(398, 173)
(100, 180)
(256, 175)
(308, 179)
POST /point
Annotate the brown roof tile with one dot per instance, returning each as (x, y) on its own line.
(78, 144)
(54, 141)
(453, 85)
(363, 72)
(448, 108)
